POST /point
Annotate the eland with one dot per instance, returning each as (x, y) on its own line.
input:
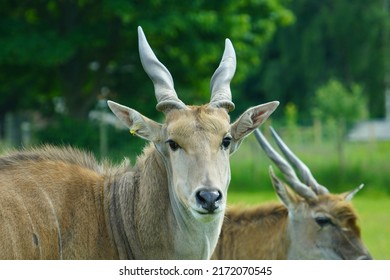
(61, 203)
(310, 223)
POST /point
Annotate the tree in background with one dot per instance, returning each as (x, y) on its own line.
(338, 107)
(332, 38)
(291, 118)
(71, 49)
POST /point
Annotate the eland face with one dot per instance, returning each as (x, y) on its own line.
(325, 229)
(196, 148)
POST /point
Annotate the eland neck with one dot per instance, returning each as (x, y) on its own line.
(146, 222)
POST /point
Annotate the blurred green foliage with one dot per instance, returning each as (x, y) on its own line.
(338, 107)
(340, 39)
(333, 101)
(85, 135)
(74, 48)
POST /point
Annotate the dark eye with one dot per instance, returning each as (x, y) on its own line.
(226, 142)
(323, 221)
(173, 145)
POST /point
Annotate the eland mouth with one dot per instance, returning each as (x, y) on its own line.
(205, 217)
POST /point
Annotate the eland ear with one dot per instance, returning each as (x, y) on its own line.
(288, 198)
(350, 195)
(137, 123)
(249, 121)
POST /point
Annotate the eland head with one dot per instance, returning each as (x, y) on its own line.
(194, 142)
(321, 225)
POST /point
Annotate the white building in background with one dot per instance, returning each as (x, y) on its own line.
(371, 130)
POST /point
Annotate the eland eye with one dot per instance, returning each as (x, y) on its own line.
(323, 221)
(226, 142)
(173, 145)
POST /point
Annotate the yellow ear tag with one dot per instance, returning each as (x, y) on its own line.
(133, 131)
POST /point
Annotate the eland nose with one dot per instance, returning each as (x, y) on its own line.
(208, 199)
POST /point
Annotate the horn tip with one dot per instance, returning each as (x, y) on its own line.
(140, 31)
(228, 42)
(229, 51)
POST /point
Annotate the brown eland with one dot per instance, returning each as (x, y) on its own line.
(61, 203)
(310, 223)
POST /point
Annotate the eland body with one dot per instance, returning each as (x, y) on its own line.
(60, 203)
(310, 223)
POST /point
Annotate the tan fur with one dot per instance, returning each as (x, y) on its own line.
(198, 120)
(341, 211)
(52, 206)
(60, 203)
(257, 232)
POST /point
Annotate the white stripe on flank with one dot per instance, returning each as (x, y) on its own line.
(56, 221)
(20, 199)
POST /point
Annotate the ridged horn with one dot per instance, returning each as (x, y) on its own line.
(221, 96)
(162, 80)
(304, 171)
(285, 168)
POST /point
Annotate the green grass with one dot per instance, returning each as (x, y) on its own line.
(373, 212)
(374, 217)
